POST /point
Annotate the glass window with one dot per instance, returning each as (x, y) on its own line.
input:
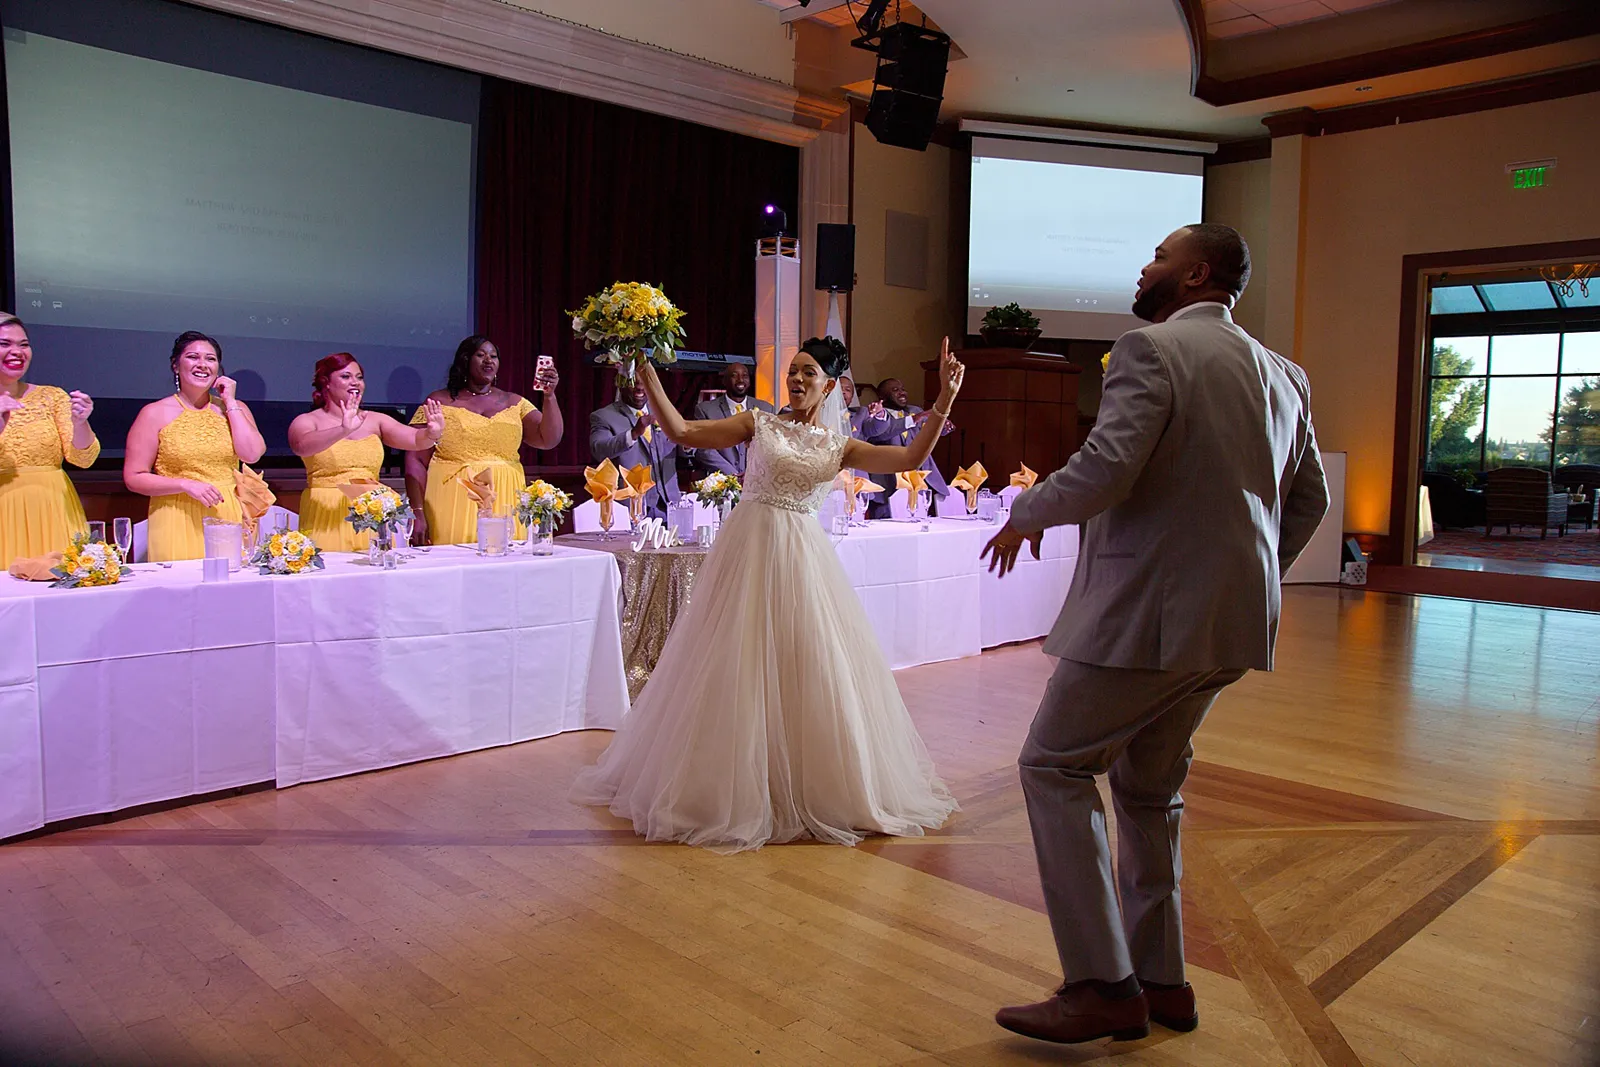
(1461, 355)
(1579, 298)
(1457, 300)
(1455, 424)
(1533, 353)
(1580, 352)
(1578, 421)
(1520, 420)
(1518, 296)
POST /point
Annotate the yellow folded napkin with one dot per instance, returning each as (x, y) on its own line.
(601, 483)
(356, 488)
(36, 569)
(640, 482)
(1024, 478)
(254, 499)
(915, 481)
(480, 487)
(969, 480)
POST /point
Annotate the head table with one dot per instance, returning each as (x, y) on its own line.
(166, 686)
(925, 591)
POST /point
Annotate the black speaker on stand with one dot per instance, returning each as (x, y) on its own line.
(909, 86)
(836, 257)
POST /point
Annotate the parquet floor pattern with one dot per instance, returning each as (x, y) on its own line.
(1392, 857)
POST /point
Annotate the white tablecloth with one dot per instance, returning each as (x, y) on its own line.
(1025, 603)
(166, 687)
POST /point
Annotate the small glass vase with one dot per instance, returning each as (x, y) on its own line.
(542, 536)
(380, 549)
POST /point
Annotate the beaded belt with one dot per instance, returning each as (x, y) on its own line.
(779, 502)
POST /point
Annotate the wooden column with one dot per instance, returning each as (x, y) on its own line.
(1016, 407)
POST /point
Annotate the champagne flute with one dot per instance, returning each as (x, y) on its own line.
(122, 533)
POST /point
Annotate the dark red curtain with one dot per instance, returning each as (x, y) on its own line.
(575, 194)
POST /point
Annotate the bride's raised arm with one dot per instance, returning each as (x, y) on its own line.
(892, 459)
(694, 433)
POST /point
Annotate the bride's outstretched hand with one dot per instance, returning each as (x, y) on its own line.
(951, 374)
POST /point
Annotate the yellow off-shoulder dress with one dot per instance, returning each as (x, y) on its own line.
(197, 445)
(323, 506)
(39, 509)
(472, 443)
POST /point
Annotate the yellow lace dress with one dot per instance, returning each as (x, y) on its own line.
(39, 509)
(197, 445)
(323, 506)
(472, 444)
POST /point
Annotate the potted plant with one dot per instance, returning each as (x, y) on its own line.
(1011, 326)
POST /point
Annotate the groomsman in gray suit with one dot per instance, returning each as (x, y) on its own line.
(1198, 487)
(894, 420)
(735, 399)
(627, 434)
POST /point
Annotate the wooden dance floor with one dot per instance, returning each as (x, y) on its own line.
(1393, 855)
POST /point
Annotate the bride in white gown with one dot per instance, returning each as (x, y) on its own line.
(772, 715)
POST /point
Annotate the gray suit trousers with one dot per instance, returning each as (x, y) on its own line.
(1136, 726)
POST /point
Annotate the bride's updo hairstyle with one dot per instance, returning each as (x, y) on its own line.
(830, 354)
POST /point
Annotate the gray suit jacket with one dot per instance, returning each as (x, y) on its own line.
(1199, 485)
(610, 437)
(726, 460)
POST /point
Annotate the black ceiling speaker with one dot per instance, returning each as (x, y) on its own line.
(909, 86)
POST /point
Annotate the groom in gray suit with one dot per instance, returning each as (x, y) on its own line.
(1197, 488)
(735, 399)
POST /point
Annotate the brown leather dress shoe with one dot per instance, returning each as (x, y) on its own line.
(1173, 1008)
(1079, 1013)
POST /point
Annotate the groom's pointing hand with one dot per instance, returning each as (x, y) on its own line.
(1006, 545)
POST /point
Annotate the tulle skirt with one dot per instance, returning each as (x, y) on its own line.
(773, 715)
(39, 513)
(322, 518)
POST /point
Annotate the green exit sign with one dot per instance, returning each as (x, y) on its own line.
(1534, 174)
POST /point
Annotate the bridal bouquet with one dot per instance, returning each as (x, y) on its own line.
(629, 322)
(291, 552)
(379, 510)
(540, 503)
(718, 490)
(88, 564)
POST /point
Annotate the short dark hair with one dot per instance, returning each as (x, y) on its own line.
(830, 354)
(1223, 249)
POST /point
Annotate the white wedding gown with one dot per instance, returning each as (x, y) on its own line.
(772, 715)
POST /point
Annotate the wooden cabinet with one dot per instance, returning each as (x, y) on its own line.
(1016, 407)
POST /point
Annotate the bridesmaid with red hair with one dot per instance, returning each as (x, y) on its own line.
(341, 444)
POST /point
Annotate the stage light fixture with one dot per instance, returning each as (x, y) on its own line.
(774, 221)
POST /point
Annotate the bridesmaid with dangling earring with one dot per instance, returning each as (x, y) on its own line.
(183, 450)
(40, 427)
(485, 428)
(341, 444)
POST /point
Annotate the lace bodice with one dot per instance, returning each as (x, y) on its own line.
(197, 445)
(40, 434)
(472, 438)
(345, 461)
(791, 465)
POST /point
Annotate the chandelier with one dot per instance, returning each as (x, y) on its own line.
(1570, 278)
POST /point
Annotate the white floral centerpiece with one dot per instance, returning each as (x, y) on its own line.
(540, 506)
(289, 552)
(88, 564)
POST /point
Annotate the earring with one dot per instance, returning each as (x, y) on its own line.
(176, 383)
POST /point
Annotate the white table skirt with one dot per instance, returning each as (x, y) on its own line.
(166, 687)
(1024, 604)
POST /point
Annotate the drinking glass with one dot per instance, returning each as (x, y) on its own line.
(122, 533)
(97, 530)
(403, 527)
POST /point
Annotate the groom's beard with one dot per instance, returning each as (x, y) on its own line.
(1149, 303)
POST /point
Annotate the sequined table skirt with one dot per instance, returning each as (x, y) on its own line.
(656, 586)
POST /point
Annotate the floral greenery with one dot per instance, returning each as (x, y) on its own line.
(1012, 316)
(540, 501)
(377, 509)
(718, 490)
(291, 552)
(88, 564)
(627, 321)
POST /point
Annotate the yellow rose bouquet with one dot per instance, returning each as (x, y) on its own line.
(290, 552)
(718, 490)
(540, 503)
(88, 564)
(630, 322)
(379, 510)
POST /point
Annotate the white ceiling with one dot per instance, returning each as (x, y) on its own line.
(1126, 63)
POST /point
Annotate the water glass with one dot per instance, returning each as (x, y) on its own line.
(122, 533)
(97, 530)
(494, 535)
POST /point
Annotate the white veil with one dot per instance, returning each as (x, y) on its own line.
(835, 416)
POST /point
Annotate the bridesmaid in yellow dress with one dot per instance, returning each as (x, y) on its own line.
(484, 429)
(40, 426)
(340, 444)
(184, 450)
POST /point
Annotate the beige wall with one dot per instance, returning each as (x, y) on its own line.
(1374, 196)
(1239, 195)
(893, 329)
(735, 33)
